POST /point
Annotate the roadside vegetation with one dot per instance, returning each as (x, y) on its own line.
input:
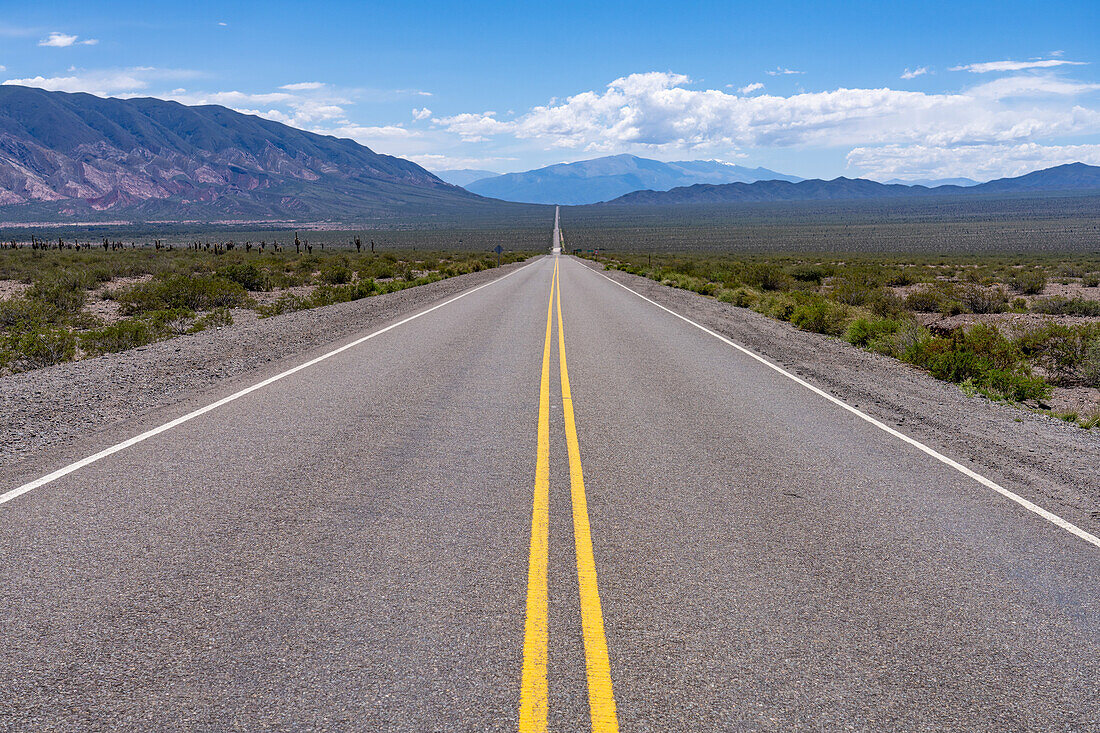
(1024, 330)
(59, 305)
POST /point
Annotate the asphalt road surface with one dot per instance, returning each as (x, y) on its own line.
(451, 526)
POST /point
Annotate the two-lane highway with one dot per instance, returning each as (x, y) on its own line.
(546, 503)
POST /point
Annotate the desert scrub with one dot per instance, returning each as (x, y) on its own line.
(130, 333)
(1069, 354)
(981, 356)
(191, 292)
(247, 275)
(1061, 306)
(36, 347)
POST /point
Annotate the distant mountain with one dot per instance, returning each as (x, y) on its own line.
(78, 155)
(602, 179)
(462, 176)
(933, 182)
(1071, 177)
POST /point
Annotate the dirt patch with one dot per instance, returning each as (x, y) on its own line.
(102, 307)
(1012, 325)
(12, 289)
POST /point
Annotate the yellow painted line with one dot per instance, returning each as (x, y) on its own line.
(601, 698)
(534, 698)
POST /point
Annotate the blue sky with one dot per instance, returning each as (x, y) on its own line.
(880, 89)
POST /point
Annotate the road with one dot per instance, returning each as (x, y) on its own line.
(449, 525)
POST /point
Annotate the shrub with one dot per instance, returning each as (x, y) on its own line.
(337, 275)
(1058, 305)
(740, 297)
(1062, 351)
(125, 334)
(820, 316)
(1090, 364)
(811, 273)
(39, 347)
(930, 298)
(247, 275)
(191, 292)
(60, 295)
(766, 277)
(214, 319)
(863, 332)
(1029, 282)
(986, 358)
(1091, 280)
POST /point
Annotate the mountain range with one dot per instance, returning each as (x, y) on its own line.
(464, 176)
(602, 179)
(1069, 177)
(78, 155)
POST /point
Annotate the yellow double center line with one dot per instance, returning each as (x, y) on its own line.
(534, 697)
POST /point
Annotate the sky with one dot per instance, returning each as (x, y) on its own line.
(817, 89)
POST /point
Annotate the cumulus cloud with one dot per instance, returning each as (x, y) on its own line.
(980, 162)
(658, 110)
(914, 73)
(750, 88)
(988, 66)
(64, 40)
(421, 114)
(780, 71)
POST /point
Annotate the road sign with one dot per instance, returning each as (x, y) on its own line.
(498, 249)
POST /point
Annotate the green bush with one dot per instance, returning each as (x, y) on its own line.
(821, 316)
(38, 347)
(864, 332)
(1029, 282)
(191, 292)
(125, 334)
(1058, 305)
(247, 275)
(336, 275)
(1062, 351)
(984, 356)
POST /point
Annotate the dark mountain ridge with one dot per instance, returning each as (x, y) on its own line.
(1068, 177)
(78, 154)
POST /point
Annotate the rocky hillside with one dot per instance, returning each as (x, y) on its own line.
(76, 155)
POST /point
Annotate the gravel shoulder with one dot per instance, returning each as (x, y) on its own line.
(44, 411)
(1046, 459)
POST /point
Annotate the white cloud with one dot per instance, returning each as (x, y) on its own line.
(440, 162)
(657, 111)
(750, 88)
(58, 40)
(105, 82)
(913, 74)
(64, 40)
(989, 66)
(980, 162)
(1031, 85)
(303, 86)
(421, 114)
(222, 23)
(3, 68)
(780, 71)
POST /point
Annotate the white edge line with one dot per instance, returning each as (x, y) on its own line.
(1030, 506)
(50, 477)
